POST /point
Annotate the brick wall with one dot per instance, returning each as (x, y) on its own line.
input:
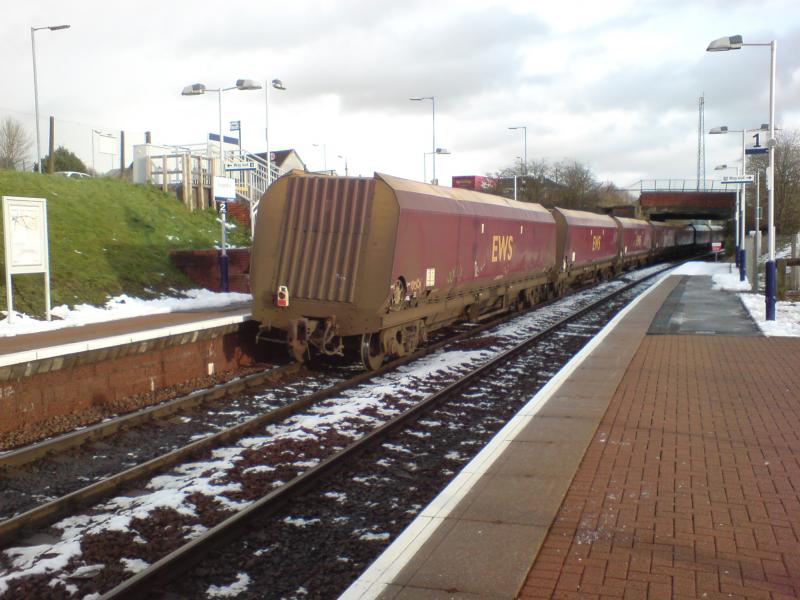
(202, 267)
(104, 381)
(240, 211)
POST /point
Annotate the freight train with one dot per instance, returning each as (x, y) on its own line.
(370, 266)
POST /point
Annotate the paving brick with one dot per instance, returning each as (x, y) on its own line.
(691, 485)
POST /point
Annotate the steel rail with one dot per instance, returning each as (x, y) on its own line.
(180, 560)
(99, 431)
(48, 513)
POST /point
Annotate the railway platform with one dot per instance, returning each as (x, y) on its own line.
(68, 340)
(52, 381)
(661, 462)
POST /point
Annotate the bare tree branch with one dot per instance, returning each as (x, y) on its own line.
(14, 144)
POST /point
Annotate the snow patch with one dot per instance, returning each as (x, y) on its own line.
(230, 590)
(120, 307)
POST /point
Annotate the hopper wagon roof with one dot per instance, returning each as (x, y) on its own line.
(419, 196)
(628, 222)
(588, 219)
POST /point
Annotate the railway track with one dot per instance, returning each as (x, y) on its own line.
(270, 502)
(154, 580)
(82, 469)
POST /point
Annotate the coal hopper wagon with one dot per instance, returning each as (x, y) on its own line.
(369, 266)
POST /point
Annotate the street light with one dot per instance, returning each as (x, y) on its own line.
(525, 134)
(198, 89)
(344, 158)
(324, 155)
(36, 86)
(278, 85)
(425, 156)
(735, 43)
(433, 129)
(741, 253)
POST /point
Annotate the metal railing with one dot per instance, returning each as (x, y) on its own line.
(191, 168)
(681, 185)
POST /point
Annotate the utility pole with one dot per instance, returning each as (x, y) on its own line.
(701, 143)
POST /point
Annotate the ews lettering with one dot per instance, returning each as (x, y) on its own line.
(596, 239)
(502, 247)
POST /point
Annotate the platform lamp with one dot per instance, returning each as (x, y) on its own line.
(735, 214)
(741, 256)
(36, 86)
(198, 89)
(735, 42)
(276, 84)
(433, 131)
(525, 137)
(425, 160)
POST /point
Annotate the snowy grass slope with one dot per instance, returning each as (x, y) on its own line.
(108, 238)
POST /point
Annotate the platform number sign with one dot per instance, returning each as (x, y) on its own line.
(223, 207)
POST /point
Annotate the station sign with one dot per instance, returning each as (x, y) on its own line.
(26, 244)
(224, 188)
(242, 165)
(738, 179)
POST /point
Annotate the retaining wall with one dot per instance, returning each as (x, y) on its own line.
(56, 393)
(202, 267)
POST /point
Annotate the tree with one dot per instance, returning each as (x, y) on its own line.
(14, 144)
(568, 184)
(65, 160)
(787, 183)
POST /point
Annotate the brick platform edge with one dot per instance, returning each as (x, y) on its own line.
(202, 267)
(60, 389)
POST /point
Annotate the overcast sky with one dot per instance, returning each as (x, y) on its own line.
(612, 84)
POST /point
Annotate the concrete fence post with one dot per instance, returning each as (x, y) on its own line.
(754, 261)
(186, 182)
(164, 173)
(201, 183)
(795, 280)
(751, 260)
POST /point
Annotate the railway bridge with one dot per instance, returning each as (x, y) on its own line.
(672, 199)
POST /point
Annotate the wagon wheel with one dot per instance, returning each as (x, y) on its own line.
(372, 355)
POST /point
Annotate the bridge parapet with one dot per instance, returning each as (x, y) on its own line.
(680, 185)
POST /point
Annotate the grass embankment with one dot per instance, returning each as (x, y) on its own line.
(108, 237)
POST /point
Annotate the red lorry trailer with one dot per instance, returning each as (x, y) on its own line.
(587, 246)
(375, 263)
(636, 241)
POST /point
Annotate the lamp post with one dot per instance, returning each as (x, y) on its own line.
(741, 253)
(735, 42)
(525, 134)
(344, 158)
(36, 86)
(425, 156)
(198, 89)
(278, 85)
(324, 155)
(433, 130)
(736, 212)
